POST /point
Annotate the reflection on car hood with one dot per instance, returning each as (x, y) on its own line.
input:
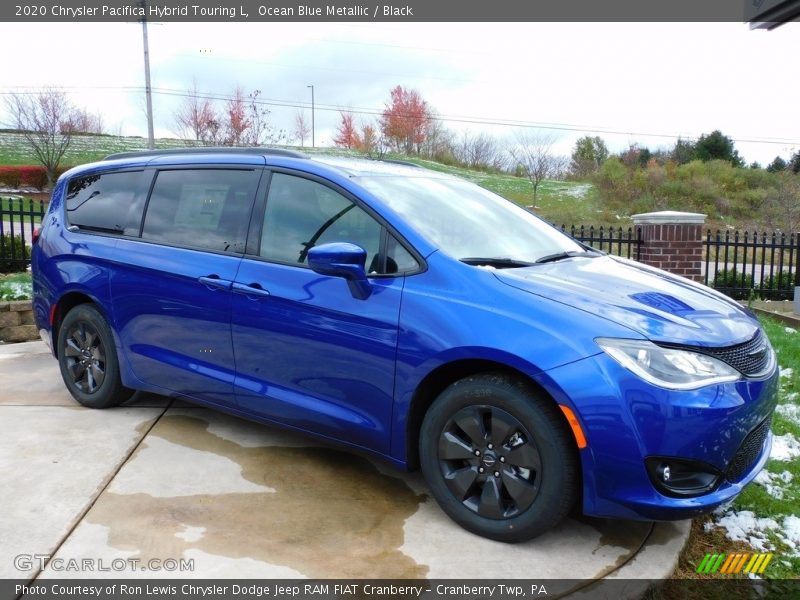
(660, 306)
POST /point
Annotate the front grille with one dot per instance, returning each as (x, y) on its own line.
(748, 452)
(749, 358)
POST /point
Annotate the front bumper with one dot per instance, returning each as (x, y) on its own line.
(626, 420)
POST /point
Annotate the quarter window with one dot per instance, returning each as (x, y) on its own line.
(204, 208)
(106, 202)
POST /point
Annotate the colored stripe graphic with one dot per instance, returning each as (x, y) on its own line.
(734, 563)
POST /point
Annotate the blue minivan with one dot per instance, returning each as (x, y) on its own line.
(412, 315)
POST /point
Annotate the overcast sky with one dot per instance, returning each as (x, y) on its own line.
(669, 79)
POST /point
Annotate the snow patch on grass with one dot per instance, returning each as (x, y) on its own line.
(14, 290)
(791, 533)
(744, 526)
(578, 191)
(771, 482)
(790, 412)
(785, 447)
(789, 330)
(786, 372)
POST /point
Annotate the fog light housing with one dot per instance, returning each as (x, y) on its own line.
(682, 478)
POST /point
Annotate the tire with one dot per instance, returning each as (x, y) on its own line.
(527, 453)
(87, 357)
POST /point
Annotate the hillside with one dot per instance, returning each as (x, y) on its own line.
(558, 201)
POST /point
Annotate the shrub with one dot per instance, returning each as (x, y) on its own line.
(9, 177)
(34, 176)
(729, 282)
(779, 286)
(7, 243)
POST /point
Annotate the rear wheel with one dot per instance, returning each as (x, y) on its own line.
(88, 359)
(499, 458)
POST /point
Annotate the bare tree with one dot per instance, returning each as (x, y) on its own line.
(479, 151)
(440, 142)
(44, 120)
(260, 131)
(197, 119)
(82, 121)
(533, 154)
(301, 127)
(237, 122)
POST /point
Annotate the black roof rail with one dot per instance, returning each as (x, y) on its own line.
(257, 150)
(400, 162)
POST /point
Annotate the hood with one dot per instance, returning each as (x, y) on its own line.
(659, 306)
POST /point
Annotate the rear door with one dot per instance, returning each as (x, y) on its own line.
(171, 286)
(309, 354)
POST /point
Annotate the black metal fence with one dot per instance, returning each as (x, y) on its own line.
(614, 240)
(751, 264)
(18, 219)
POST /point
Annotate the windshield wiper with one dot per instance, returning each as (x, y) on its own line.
(563, 255)
(499, 262)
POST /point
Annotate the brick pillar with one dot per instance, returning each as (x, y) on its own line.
(672, 241)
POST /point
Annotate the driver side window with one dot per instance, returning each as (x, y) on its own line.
(301, 214)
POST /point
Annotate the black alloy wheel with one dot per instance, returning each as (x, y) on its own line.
(499, 457)
(490, 461)
(85, 357)
(88, 359)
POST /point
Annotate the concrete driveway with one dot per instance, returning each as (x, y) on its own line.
(161, 480)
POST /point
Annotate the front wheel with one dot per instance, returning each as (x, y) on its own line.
(499, 458)
(88, 359)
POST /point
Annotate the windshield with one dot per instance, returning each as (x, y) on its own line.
(468, 222)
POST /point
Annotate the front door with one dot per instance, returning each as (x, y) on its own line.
(309, 354)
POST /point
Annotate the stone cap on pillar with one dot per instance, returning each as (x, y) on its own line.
(669, 217)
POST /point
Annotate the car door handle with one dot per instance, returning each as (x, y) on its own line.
(214, 282)
(253, 289)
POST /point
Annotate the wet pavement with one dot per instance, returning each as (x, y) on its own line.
(158, 480)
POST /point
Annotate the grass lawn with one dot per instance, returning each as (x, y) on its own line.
(16, 286)
(766, 516)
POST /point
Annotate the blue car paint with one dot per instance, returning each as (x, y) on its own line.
(348, 369)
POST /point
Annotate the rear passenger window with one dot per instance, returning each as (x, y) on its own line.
(107, 202)
(203, 208)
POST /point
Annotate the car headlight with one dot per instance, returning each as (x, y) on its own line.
(668, 367)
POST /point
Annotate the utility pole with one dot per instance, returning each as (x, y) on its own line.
(312, 115)
(148, 91)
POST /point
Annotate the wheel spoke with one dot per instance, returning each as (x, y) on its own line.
(453, 448)
(471, 423)
(521, 490)
(75, 370)
(91, 337)
(77, 336)
(83, 381)
(460, 481)
(91, 384)
(501, 429)
(72, 349)
(491, 504)
(98, 374)
(526, 456)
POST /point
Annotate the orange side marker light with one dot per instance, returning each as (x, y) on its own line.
(580, 438)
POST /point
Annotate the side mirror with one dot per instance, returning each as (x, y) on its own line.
(342, 259)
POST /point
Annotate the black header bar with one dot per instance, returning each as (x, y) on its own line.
(394, 11)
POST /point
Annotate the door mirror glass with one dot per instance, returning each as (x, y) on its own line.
(342, 259)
